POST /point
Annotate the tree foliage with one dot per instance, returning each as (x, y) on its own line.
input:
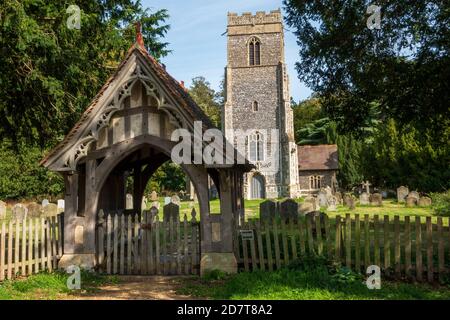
(207, 99)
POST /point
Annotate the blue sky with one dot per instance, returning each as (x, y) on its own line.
(198, 49)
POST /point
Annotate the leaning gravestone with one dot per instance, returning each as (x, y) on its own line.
(2, 210)
(155, 204)
(323, 197)
(349, 201)
(332, 203)
(19, 212)
(267, 210)
(364, 198)
(402, 193)
(289, 209)
(338, 196)
(329, 191)
(34, 210)
(154, 196)
(166, 200)
(144, 203)
(51, 210)
(171, 211)
(376, 199)
(175, 199)
(425, 201)
(411, 201)
(129, 201)
(45, 202)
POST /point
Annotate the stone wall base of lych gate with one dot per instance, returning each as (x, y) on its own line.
(85, 261)
(223, 261)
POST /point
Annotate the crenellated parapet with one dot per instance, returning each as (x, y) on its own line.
(261, 17)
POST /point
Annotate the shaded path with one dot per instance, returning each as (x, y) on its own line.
(136, 288)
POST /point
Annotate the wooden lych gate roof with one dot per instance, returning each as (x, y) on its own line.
(138, 64)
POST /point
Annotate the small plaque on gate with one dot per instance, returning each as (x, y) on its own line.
(246, 234)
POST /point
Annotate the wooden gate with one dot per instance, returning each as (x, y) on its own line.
(143, 245)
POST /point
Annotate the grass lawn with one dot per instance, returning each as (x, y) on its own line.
(297, 285)
(49, 286)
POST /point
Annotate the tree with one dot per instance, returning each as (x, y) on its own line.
(207, 99)
(49, 73)
(404, 66)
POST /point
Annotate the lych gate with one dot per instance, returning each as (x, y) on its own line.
(126, 131)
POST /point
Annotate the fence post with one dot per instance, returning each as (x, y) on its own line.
(100, 239)
(337, 243)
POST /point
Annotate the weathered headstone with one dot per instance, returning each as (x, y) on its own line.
(306, 207)
(267, 210)
(415, 195)
(332, 202)
(155, 204)
(61, 204)
(364, 198)
(338, 196)
(144, 203)
(402, 193)
(425, 201)
(329, 191)
(166, 200)
(411, 201)
(34, 210)
(366, 185)
(45, 202)
(349, 201)
(323, 197)
(2, 210)
(171, 211)
(376, 199)
(175, 199)
(289, 209)
(19, 212)
(154, 196)
(50, 210)
(128, 201)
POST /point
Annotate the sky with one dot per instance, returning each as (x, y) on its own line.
(198, 47)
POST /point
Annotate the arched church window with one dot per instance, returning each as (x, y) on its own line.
(255, 106)
(256, 147)
(254, 47)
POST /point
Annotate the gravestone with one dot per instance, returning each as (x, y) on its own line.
(175, 199)
(306, 207)
(364, 198)
(267, 210)
(34, 210)
(366, 185)
(144, 203)
(338, 196)
(289, 209)
(425, 201)
(45, 202)
(155, 204)
(128, 201)
(402, 193)
(154, 196)
(329, 191)
(323, 197)
(349, 201)
(2, 210)
(415, 195)
(332, 202)
(50, 210)
(166, 200)
(171, 211)
(61, 204)
(153, 212)
(411, 201)
(376, 199)
(19, 212)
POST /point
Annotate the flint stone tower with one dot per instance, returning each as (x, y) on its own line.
(258, 101)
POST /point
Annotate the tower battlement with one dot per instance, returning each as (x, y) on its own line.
(261, 17)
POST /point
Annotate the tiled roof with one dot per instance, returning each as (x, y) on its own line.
(320, 157)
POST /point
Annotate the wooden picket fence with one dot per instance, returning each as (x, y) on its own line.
(403, 248)
(131, 244)
(29, 246)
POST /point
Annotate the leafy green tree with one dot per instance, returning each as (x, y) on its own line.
(207, 99)
(404, 66)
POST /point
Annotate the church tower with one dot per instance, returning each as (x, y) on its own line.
(257, 116)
